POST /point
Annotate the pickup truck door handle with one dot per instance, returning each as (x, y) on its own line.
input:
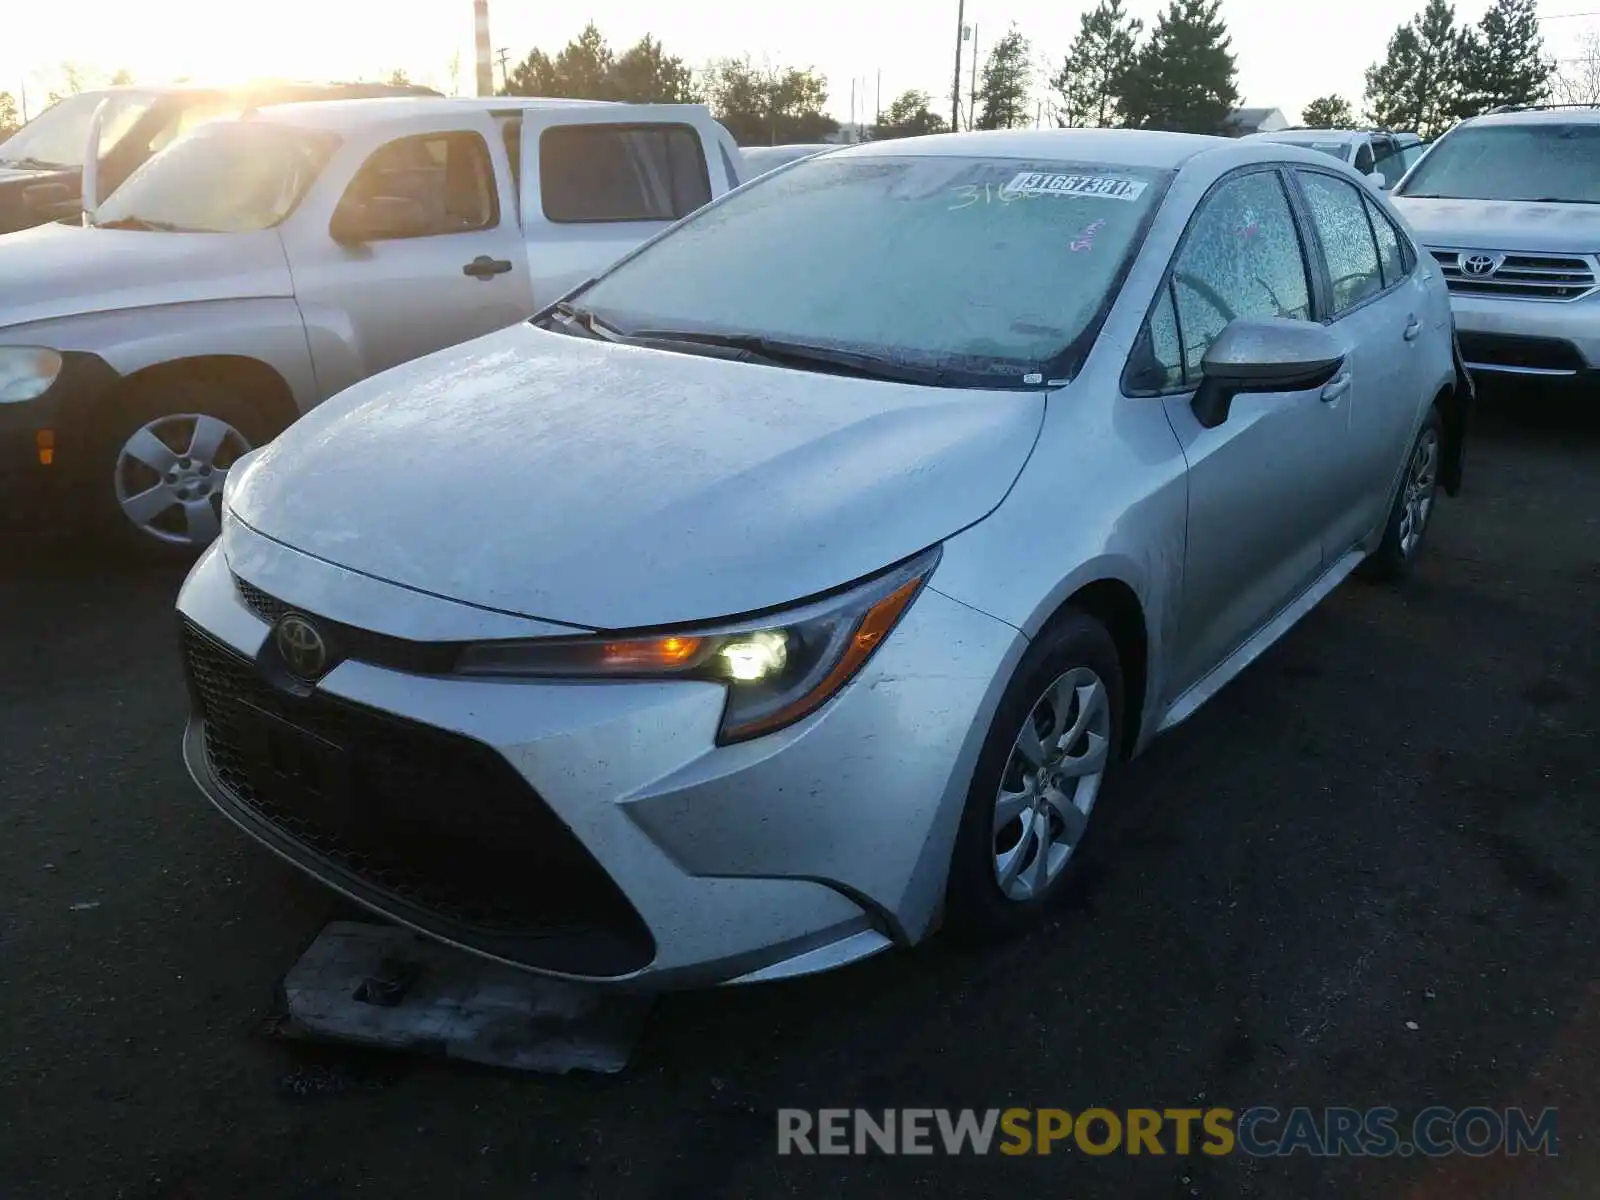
(1337, 388)
(484, 267)
(1414, 328)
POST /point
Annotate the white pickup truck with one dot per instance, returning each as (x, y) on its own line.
(261, 264)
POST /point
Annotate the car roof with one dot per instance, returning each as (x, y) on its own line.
(352, 114)
(1560, 114)
(312, 87)
(1111, 147)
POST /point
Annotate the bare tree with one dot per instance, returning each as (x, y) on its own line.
(1577, 79)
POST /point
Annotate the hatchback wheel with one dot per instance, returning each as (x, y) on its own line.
(1038, 777)
(1412, 507)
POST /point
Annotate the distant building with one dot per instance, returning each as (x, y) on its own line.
(1254, 120)
(848, 134)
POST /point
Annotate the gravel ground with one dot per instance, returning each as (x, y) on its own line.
(1364, 875)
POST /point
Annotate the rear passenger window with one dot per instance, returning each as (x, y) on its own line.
(449, 175)
(1391, 258)
(1339, 212)
(621, 173)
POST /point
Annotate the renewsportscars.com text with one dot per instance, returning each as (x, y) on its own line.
(1261, 1132)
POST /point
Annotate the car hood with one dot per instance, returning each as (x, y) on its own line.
(611, 487)
(1504, 225)
(58, 270)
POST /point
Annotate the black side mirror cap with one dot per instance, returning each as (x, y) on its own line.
(1263, 354)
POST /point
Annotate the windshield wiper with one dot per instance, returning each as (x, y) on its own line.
(1561, 200)
(781, 352)
(588, 322)
(141, 223)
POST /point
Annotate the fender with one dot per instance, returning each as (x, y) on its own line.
(269, 330)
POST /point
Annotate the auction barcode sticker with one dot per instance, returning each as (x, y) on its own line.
(1111, 187)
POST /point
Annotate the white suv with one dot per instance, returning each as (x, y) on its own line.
(1372, 152)
(1509, 206)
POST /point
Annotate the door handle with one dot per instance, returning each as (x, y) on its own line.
(484, 267)
(1413, 329)
(1337, 388)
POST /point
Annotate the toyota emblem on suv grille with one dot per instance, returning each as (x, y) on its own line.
(1479, 264)
(304, 652)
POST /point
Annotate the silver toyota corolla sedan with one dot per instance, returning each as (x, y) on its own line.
(796, 587)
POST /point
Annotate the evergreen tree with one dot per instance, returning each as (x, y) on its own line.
(1184, 78)
(582, 71)
(1419, 84)
(1096, 68)
(1504, 60)
(1007, 80)
(1328, 112)
(645, 74)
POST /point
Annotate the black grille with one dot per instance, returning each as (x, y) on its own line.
(436, 829)
(268, 608)
(1519, 276)
(1502, 350)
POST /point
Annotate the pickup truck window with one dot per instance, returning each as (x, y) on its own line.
(226, 177)
(590, 173)
(449, 174)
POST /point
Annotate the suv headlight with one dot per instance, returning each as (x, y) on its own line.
(26, 372)
(778, 669)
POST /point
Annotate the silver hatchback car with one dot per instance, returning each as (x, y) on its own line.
(794, 588)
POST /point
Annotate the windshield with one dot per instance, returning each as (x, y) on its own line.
(1512, 162)
(226, 177)
(59, 136)
(989, 267)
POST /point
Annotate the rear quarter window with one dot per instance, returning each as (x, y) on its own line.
(620, 173)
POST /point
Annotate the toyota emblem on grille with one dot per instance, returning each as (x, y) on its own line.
(1479, 264)
(302, 647)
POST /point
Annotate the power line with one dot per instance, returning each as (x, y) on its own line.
(1570, 16)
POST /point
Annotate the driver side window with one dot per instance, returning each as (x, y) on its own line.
(1241, 257)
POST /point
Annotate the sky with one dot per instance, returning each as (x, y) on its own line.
(1288, 51)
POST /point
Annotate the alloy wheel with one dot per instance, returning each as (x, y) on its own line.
(169, 477)
(1416, 498)
(1050, 783)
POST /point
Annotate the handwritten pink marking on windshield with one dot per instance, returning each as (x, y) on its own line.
(1085, 239)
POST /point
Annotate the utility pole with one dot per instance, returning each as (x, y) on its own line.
(955, 92)
(480, 13)
(972, 102)
(878, 120)
(504, 53)
(24, 101)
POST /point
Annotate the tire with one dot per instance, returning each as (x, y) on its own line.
(1412, 508)
(197, 428)
(1075, 659)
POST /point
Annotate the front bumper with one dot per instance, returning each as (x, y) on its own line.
(594, 831)
(45, 492)
(1536, 339)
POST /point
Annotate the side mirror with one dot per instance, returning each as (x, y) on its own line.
(378, 218)
(1377, 180)
(1266, 354)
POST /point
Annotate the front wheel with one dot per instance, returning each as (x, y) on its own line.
(162, 462)
(1412, 507)
(1037, 780)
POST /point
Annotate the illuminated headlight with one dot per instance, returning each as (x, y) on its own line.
(26, 372)
(777, 669)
